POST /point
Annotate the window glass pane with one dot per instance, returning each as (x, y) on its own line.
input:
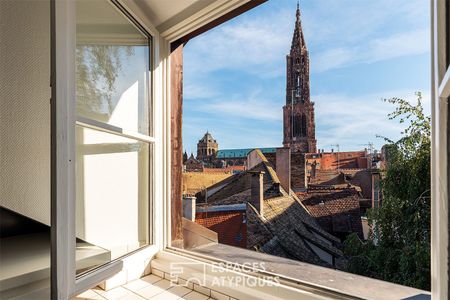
(112, 59)
(112, 196)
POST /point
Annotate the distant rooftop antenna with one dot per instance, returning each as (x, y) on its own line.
(370, 147)
(337, 145)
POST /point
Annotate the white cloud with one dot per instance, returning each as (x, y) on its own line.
(338, 33)
(350, 121)
(247, 109)
(344, 120)
(252, 106)
(242, 46)
(344, 22)
(198, 90)
(379, 49)
(408, 43)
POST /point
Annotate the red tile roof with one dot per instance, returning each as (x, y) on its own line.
(229, 226)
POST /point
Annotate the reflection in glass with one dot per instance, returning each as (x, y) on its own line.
(112, 59)
(112, 196)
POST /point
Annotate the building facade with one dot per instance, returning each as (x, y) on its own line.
(207, 148)
(298, 113)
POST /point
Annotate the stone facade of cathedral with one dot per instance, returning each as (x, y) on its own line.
(299, 130)
(207, 148)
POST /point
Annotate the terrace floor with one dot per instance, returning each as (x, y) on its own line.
(150, 287)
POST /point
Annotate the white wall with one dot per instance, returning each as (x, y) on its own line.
(112, 191)
(25, 108)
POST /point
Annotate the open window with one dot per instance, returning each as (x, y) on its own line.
(95, 188)
(323, 196)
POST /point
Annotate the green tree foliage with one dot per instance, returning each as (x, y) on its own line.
(398, 249)
(98, 67)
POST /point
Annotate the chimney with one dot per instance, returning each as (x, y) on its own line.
(283, 168)
(189, 207)
(257, 190)
(253, 158)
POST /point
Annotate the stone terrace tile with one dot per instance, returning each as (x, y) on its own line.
(195, 296)
(115, 294)
(142, 283)
(150, 287)
(89, 295)
(154, 289)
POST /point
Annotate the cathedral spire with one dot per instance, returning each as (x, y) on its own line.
(298, 40)
(298, 113)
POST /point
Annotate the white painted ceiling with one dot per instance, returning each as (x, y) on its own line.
(164, 12)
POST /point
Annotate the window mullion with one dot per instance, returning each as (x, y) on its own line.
(96, 125)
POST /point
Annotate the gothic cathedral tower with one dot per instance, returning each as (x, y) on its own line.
(298, 113)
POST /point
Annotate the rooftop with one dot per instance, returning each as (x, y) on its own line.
(284, 228)
(241, 153)
(336, 210)
(207, 138)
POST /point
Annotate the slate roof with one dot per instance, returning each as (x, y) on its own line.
(337, 210)
(285, 227)
(241, 153)
(357, 177)
(207, 138)
(290, 227)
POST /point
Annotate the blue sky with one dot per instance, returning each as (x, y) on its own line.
(360, 52)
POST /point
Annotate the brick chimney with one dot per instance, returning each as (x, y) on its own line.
(283, 167)
(257, 190)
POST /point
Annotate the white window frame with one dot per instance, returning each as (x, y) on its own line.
(64, 283)
(440, 92)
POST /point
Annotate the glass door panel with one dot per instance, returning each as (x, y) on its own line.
(112, 196)
(113, 142)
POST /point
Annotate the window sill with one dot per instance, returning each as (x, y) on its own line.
(295, 278)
